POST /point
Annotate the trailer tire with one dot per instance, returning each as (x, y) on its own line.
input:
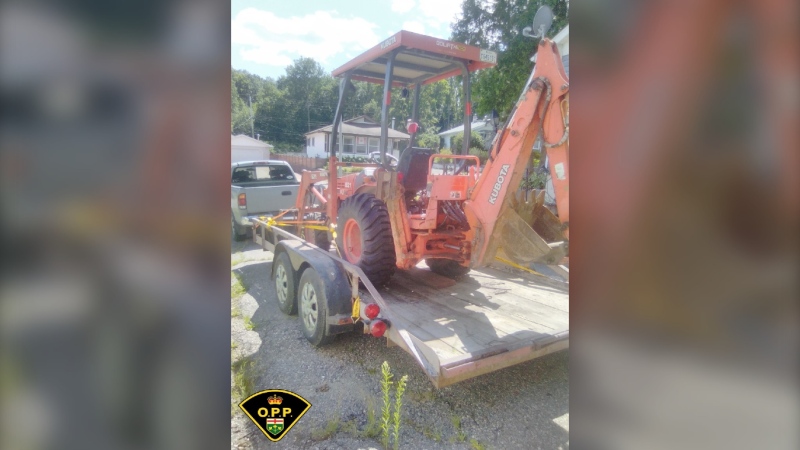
(236, 231)
(447, 267)
(285, 284)
(364, 237)
(313, 308)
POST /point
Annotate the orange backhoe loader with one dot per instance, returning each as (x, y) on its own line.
(444, 209)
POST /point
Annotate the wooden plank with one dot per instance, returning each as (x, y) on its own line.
(509, 318)
(459, 312)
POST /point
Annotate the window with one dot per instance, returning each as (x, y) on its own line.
(312, 141)
(361, 145)
(374, 145)
(263, 174)
(538, 144)
(348, 144)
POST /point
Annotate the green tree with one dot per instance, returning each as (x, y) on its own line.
(498, 26)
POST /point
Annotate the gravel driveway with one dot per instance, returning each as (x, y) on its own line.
(524, 406)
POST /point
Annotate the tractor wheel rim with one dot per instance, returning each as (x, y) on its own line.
(281, 283)
(308, 300)
(352, 241)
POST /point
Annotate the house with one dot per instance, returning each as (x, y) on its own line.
(483, 127)
(245, 148)
(360, 136)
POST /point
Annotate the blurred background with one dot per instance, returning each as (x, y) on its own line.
(114, 228)
(114, 224)
(684, 238)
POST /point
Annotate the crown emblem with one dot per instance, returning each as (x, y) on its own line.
(274, 400)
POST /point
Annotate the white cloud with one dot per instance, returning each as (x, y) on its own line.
(264, 38)
(403, 6)
(441, 12)
(413, 25)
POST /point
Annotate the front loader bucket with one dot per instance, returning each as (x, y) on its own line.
(522, 244)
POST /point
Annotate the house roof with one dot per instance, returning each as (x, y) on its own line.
(479, 125)
(242, 140)
(362, 129)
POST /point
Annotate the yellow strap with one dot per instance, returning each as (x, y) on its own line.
(517, 266)
(356, 309)
(274, 223)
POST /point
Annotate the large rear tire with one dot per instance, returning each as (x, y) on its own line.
(447, 267)
(364, 237)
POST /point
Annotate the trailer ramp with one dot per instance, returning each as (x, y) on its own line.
(488, 320)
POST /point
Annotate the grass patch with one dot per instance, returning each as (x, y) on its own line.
(432, 434)
(243, 378)
(248, 324)
(372, 429)
(238, 287)
(234, 345)
(460, 436)
(235, 311)
(330, 429)
(476, 445)
(237, 259)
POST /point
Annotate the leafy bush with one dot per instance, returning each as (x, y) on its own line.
(428, 140)
(536, 180)
(482, 154)
(475, 142)
(281, 147)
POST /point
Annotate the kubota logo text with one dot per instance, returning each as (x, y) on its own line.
(499, 183)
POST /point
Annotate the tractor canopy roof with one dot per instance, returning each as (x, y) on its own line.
(420, 60)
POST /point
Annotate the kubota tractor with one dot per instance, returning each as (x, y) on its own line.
(444, 209)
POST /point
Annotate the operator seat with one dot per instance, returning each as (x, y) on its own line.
(413, 164)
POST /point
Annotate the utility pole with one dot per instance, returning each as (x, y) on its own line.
(252, 125)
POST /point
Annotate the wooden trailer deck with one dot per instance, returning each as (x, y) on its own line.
(488, 320)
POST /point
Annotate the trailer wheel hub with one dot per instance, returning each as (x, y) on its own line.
(310, 310)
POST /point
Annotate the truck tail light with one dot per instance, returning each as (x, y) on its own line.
(372, 310)
(378, 328)
(242, 201)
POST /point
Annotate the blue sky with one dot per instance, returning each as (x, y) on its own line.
(266, 36)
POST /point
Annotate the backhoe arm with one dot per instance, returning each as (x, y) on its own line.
(494, 224)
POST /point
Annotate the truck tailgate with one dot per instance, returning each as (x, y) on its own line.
(270, 199)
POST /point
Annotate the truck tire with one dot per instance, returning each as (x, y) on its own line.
(365, 237)
(285, 284)
(236, 231)
(447, 267)
(313, 308)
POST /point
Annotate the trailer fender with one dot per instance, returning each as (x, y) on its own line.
(337, 285)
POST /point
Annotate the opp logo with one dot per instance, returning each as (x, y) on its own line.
(275, 411)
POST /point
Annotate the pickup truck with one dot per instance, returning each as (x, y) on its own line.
(260, 188)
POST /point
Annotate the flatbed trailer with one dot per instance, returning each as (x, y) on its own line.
(455, 330)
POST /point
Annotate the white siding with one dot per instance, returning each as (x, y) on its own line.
(315, 146)
(242, 153)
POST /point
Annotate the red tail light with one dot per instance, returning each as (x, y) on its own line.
(400, 177)
(372, 310)
(242, 201)
(377, 328)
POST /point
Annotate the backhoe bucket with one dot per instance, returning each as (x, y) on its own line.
(523, 245)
